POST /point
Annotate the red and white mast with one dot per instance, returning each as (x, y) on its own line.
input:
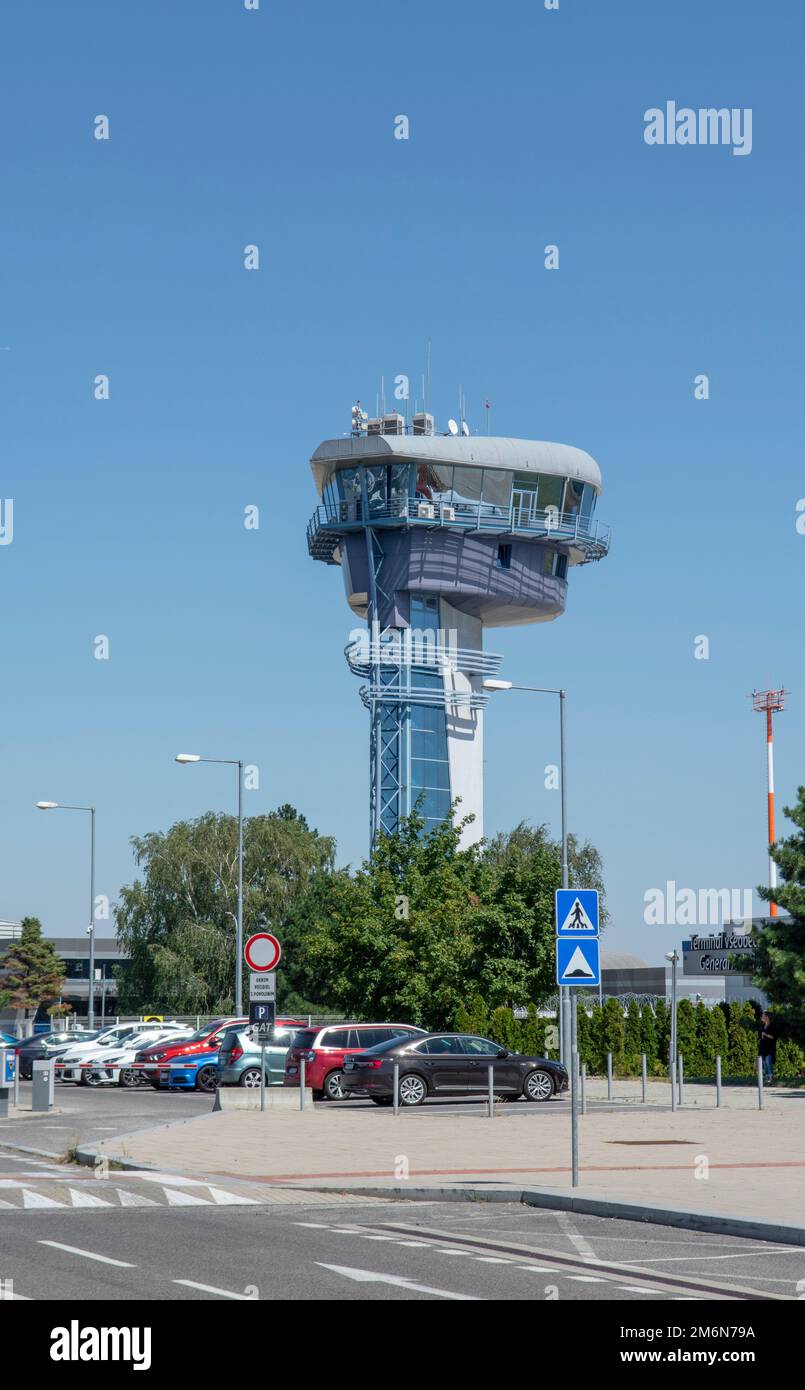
(769, 702)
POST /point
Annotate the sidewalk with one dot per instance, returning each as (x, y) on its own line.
(736, 1161)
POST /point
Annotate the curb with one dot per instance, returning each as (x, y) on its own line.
(589, 1206)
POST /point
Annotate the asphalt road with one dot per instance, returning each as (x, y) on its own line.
(336, 1249)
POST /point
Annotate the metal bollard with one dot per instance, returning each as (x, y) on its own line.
(643, 1075)
(302, 1065)
(672, 1075)
(396, 1088)
(718, 1081)
(760, 1083)
(490, 1078)
(583, 1088)
(681, 1065)
(609, 1076)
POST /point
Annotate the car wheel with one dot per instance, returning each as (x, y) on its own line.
(333, 1089)
(128, 1078)
(538, 1085)
(382, 1100)
(413, 1089)
(87, 1079)
(250, 1078)
(207, 1079)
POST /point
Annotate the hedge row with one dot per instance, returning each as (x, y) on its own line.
(726, 1030)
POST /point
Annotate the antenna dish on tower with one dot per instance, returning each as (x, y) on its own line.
(452, 426)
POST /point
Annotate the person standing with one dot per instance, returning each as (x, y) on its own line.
(767, 1045)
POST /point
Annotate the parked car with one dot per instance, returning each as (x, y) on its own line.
(40, 1046)
(325, 1049)
(206, 1039)
(195, 1071)
(115, 1069)
(8, 1040)
(239, 1055)
(68, 1060)
(450, 1064)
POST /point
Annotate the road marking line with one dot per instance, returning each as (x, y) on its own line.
(87, 1199)
(87, 1254)
(38, 1199)
(231, 1199)
(586, 1279)
(635, 1288)
(583, 1246)
(134, 1199)
(735, 1255)
(368, 1276)
(491, 1260)
(537, 1269)
(313, 1225)
(177, 1198)
(210, 1288)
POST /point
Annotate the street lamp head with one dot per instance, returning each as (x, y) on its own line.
(492, 684)
(188, 757)
(47, 805)
(671, 955)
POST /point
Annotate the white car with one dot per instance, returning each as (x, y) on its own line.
(68, 1062)
(115, 1069)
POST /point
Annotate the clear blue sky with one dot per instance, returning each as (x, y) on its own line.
(275, 127)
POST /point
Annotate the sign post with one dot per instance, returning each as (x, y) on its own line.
(578, 963)
(262, 954)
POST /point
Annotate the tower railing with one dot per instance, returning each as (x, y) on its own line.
(333, 519)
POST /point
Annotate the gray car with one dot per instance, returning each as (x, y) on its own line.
(239, 1056)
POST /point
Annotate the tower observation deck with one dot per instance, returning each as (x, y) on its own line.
(438, 537)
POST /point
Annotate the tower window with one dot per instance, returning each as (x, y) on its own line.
(504, 557)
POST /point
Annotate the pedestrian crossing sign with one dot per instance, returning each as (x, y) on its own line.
(578, 962)
(576, 912)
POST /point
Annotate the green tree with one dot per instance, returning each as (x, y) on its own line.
(780, 942)
(424, 926)
(177, 923)
(633, 1039)
(613, 1031)
(719, 1041)
(742, 1040)
(662, 1013)
(648, 1036)
(33, 972)
(686, 1038)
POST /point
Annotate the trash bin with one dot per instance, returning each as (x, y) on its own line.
(42, 1086)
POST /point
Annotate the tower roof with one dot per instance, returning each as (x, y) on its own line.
(475, 451)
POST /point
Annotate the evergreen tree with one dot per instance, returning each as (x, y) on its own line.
(719, 1040)
(633, 1038)
(780, 942)
(648, 1036)
(742, 1036)
(686, 1041)
(705, 1052)
(613, 1032)
(33, 971)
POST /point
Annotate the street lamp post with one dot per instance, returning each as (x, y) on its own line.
(231, 762)
(564, 993)
(60, 806)
(673, 957)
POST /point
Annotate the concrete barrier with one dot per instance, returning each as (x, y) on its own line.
(248, 1098)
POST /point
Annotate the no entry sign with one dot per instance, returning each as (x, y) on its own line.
(262, 952)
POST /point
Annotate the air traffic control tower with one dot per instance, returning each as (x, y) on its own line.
(438, 537)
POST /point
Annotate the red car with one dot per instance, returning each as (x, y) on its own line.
(207, 1037)
(324, 1050)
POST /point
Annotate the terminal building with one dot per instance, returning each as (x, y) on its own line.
(74, 953)
(438, 537)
